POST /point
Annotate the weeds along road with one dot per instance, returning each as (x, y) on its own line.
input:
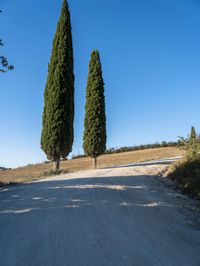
(117, 216)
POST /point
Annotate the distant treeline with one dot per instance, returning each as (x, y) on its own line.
(4, 168)
(135, 148)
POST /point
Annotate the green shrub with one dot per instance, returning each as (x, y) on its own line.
(50, 173)
(187, 172)
(191, 145)
(54, 173)
(187, 175)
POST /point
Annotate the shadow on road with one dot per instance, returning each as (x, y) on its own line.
(118, 191)
(115, 220)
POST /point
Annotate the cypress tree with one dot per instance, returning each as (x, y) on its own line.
(193, 135)
(58, 115)
(94, 139)
(193, 145)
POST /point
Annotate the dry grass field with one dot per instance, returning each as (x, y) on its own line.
(38, 171)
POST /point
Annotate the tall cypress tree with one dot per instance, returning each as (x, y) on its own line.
(94, 139)
(58, 116)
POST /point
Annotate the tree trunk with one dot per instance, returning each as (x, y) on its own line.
(94, 162)
(56, 165)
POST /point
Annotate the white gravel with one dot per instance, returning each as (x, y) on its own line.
(125, 215)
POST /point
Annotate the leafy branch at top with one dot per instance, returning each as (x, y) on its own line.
(4, 65)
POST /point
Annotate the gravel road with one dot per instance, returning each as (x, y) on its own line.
(126, 215)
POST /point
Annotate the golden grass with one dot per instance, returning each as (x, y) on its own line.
(35, 172)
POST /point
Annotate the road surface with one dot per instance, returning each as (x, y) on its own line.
(124, 215)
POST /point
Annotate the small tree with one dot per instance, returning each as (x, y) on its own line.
(4, 65)
(58, 116)
(191, 145)
(193, 135)
(94, 139)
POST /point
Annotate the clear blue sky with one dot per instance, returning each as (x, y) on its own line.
(150, 52)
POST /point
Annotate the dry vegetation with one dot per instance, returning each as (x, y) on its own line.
(38, 171)
(186, 174)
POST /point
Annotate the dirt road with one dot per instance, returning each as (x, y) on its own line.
(118, 216)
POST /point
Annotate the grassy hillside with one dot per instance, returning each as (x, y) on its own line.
(34, 172)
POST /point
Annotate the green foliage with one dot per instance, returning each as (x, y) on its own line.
(50, 173)
(3, 61)
(187, 172)
(187, 176)
(94, 140)
(193, 135)
(58, 116)
(191, 145)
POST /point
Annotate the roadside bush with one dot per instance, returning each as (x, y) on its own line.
(50, 173)
(187, 176)
(53, 173)
(187, 172)
(191, 145)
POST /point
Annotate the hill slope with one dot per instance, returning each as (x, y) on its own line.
(38, 171)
